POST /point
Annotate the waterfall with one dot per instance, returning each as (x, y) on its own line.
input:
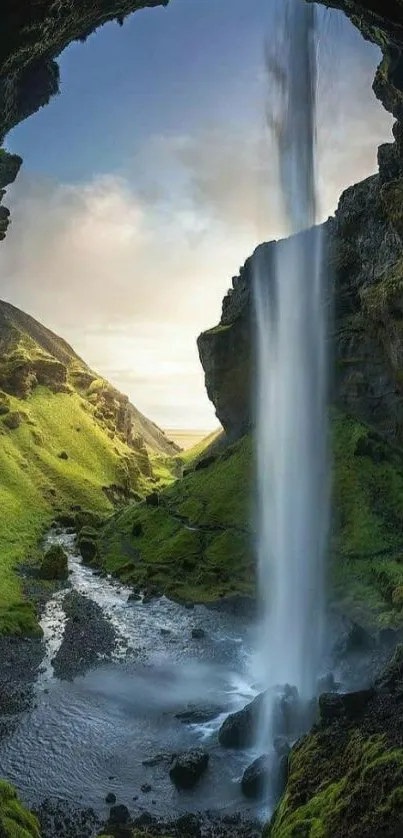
(291, 401)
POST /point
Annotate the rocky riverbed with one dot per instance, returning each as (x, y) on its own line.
(93, 715)
(115, 682)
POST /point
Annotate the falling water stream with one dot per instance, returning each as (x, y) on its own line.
(291, 391)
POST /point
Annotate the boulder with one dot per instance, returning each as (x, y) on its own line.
(54, 563)
(66, 519)
(63, 455)
(134, 597)
(153, 499)
(292, 715)
(199, 714)
(347, 706)
(238, 729)
(256, 778)
(188, 767)
(188, 826)
(198, 633)
(110, 798)
(12, 420)
(87, 518)
(356, 639)
(87, 544)
(119, 815)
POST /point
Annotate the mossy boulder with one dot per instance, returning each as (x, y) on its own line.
(88, 545)
(12, 420)
(85, 518)
(346, 776)
(54, 564)
(15, 820)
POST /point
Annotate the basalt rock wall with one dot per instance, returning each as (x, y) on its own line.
(363, 262)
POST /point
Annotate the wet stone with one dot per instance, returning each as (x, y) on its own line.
(256, 778)
(119, 815)
(187, 768)
(146, 788)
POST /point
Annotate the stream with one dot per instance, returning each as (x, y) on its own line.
(89, 736)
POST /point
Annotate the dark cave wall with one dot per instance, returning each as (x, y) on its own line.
(33, 33)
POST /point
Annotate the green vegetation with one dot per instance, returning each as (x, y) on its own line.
(378, 298)
(219, 329)
(367, 540)
(345, 778)
(153, 548)
(203, 448)
(62, 451)
(348, 784)
(54, 564)
(15, 821)
(196, 544)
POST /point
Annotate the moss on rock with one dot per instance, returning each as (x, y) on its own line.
(199, 542)
(15, 820)
(87, 542)
(54, 564)
(346, 778)
(196, 544)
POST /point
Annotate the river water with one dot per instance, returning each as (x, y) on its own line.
(104, 724)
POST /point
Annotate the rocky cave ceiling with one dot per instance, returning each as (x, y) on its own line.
(33, 33)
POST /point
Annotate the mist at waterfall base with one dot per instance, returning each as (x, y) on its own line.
(292, 480)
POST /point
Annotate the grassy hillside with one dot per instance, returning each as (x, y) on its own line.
(66, 437)
(199, 542)
(196, 544)
(210, 444)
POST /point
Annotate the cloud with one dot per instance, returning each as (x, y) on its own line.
(131, 268)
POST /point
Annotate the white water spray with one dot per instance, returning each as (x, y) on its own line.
(291, 391)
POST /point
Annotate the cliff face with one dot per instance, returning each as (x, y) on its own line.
(363, 260)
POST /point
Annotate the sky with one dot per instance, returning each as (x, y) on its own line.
(151, 178)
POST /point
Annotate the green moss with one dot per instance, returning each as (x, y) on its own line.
(204, 447)
(195, 545)
(54, 564)
(367, 538)
(348, 784)
(35, 481)
(367, 534)
(16, 821)
(377, 298)
(221, 494)
(218, 330)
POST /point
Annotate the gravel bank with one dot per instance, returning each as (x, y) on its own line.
(88, 637)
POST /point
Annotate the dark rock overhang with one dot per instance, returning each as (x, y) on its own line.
(33, 33)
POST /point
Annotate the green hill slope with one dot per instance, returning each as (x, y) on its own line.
(66, 437)
(198, 543)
